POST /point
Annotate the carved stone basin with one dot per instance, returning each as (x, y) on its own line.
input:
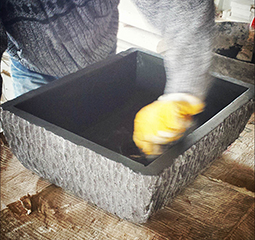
(77, 133)
(229, 40)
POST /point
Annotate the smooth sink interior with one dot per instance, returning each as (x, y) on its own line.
(100, 105)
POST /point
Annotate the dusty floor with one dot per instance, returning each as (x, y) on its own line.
(219, 204)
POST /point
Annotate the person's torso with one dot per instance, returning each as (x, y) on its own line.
(57, 37)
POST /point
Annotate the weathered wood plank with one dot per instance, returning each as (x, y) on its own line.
(59, 215)
(236, 165)
(204, 210)
(16, 180)
(243, 229)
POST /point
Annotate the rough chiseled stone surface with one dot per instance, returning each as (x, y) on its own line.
(228, 40)
(106, 183)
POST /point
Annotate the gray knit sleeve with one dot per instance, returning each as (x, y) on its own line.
(187, 26)
(3, 46)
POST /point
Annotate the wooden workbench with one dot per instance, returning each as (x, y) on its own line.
(219, 204)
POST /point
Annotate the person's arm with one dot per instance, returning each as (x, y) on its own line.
(3, 46)
(187, 27)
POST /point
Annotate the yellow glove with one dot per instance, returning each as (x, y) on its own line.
(164, 121)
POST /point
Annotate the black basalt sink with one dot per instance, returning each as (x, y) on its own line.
(77, 133)
(96, 106)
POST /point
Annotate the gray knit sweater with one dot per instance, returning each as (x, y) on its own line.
(58, 37)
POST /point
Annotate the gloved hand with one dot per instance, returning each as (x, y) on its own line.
(164, 121)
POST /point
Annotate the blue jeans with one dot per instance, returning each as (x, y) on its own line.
(25, 80)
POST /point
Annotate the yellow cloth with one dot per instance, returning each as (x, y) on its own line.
(164, 121)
